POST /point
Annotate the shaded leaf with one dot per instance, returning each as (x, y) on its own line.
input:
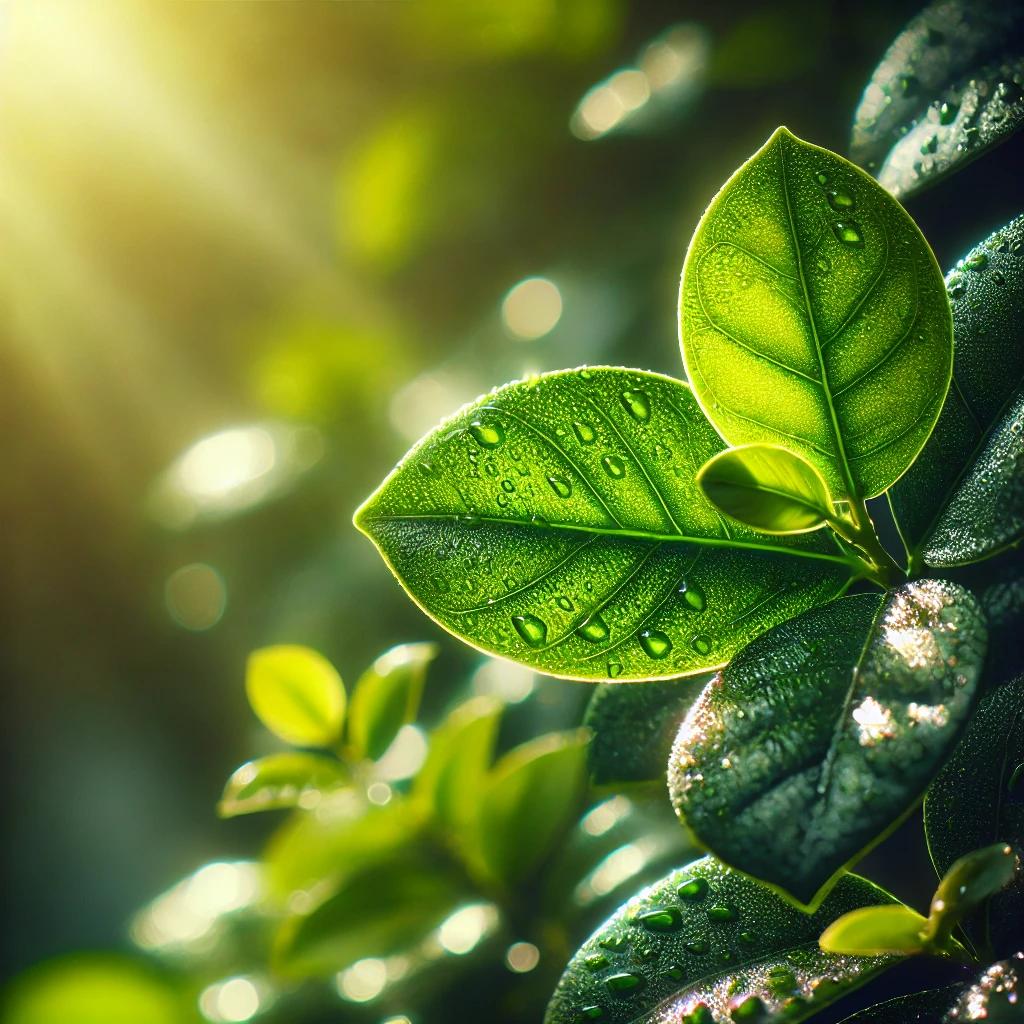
(706, 935)
(876, 931)
(976, 428)
(977, 799)
(278, 781)
(809, 298)
(634, 725)
(919, 1008)
(824, 732)
(386, 697)
(297, 694)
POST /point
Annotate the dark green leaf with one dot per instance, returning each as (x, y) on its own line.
(706, 935)
(970, 457)
(978, 799)
(279, 780)
(876, 931)
(919, 1008)
(634, 725)
(822, 733)
(768, 488)
(556, 522)
(997, 997)
(809, 299)
(386, 697)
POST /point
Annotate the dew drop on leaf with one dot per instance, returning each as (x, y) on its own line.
(701, 643)
(591, 1013)
(977, 260)
(532, 630)
(821, 177)
(596, 962)
(637, 404)
(564, 603)
(693, 890)
(614, 669)
(624, 983)
(661, 919)
(750, 1008)
(655, 643)
(948, 112)
(487, 435)
(584, 432)
(613, 466)
(594, 630)
(693, 597)
(840, 200)
(722, 912)
(848, 233)
(560, 486)
(698, 946)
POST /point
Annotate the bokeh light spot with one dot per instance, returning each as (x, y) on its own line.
(532, 308)
(196, 596)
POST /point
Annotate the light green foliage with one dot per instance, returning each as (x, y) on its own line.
(557, 522)
(876, 931)
(279, 781)
(387, 697)
(708, 936)
(826, 730)
(813, 316)
(297, 694)
(768, 488)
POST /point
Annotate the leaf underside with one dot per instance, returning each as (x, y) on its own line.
(557, 522)
(813, 316)
(822, 733)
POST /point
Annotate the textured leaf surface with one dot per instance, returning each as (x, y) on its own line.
(978, 799)
(814, 317)
(974, 445)
(634, 726)
(822, 733)
(277, 781)
(875, 931)
(997, 997)
(708, 936)
(768, 488)
(919, 1008)
(557, 522)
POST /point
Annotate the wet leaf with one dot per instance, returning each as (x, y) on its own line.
(297, 694)
(876, 931)
(919, 1008)
(995, 997)
(386, 697)
(809, 299)
(978, 798)
(556, 522)
(278, 781)
(768, 488)
(824, 732)
(961, 500)
(708, 936)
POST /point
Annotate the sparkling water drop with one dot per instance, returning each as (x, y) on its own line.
(840, 200)
(701, 643)
(662, 919)
(595, 629)
(693, 597)
(655, 643)
(584, 432)
(624, 983)
(531, 629)
(948, 112)
(613, 466)
(637, 404)
(848, 233)
(692, 890)
(488, 435)
(560, 486)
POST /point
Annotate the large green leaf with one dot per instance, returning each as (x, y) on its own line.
(977, 425)
(824, 732)
(937, 80)
(978, 799)
(813, 316)
(557, 522)
(919, 1008)
(706, 936)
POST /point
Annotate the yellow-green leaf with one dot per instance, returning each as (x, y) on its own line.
(876, 931)
(279, 780)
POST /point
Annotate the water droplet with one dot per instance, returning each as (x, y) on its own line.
(655, 643)
(821, 177)
(508, 486)
(840, 200)
(663, 919)
(693, 597)
(613, 943)
(674, 972)
(560, 486)
(564, 603)
(591, 1013)
(698, 946)
(748, 938)
(585, 374)
(471, 520)
(594, 630)
(700, 1014)
(532, 630)
(750, 1008)
(637, 404)
(645, 954)
(426, 469)
(948, 112)
(848, 233)
(692, 890)
(977, 260)
(584, 432)
(487, 435)
(823, 265)
(701, 643)
(624, 983)
(596, 962)
(997, 276)
(613, 466)
(781, 980)
(722, 912)
(614, 669)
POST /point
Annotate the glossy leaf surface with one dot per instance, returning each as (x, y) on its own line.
(876, 931)
(822, 733)
(977, 799)
(706, 936)
(278, 781)
(814, 317)
(919, 1008)
(386, 697)
(634, 726)
(997, 997)
(297, 694)
(768, 488)
(975, 444)
(557, 522)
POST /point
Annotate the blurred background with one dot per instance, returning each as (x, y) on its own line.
(250, 253)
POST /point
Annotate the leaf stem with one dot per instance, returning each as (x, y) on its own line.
(857, 529)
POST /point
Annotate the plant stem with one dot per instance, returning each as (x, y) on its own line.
(857, 529)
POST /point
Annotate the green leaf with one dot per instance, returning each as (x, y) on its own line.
(768, 488)
(931, 86)
(279, 780)
(978, 798)
(995, 997)
(531, 798)
(556, 522)
(919, 1008)
(708, 936)
(969, 459)
(824, 732)
(876, 931)
(809, 299)
(297, 694)
(634, 725)
(386, 697)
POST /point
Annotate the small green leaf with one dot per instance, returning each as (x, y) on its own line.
(708, 936)
(297, 694)
(824, 732)
(876, 931)
(919, 1008)
(556, 522)
(278, 781)
(768, 488)
(809, 299)
(531, 798)
(634, 725)
(387, 697)
(979, 797)
(961, 500)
